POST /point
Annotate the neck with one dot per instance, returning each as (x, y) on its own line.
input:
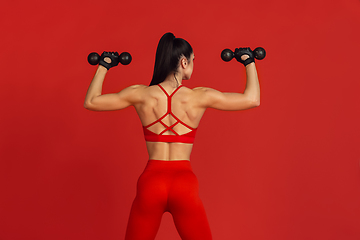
(174, 80)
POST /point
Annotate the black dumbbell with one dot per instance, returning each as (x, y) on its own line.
(124, 58)
(227, 54)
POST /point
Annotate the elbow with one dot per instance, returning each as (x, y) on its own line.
(254, 103)
(88, 105)
(253, 100)
(257, 103)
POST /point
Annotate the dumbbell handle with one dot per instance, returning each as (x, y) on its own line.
(124, 58)
(227, 54)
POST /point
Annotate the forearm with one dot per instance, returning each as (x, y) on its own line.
(252, 89)
(95, 88)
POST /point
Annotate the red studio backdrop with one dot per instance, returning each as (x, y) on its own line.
(288, 169)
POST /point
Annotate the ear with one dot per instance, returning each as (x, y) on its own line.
(184, 62)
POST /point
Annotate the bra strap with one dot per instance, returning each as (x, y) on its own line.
(169, 97)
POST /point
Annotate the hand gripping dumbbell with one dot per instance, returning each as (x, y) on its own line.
(227, 54)
(124, 58)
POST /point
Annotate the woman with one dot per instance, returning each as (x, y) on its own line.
(170, 114)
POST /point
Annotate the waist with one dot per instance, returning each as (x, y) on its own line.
(164, 151)
(153, 164)
(170, 160)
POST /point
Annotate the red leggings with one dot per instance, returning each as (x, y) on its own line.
(168, 186)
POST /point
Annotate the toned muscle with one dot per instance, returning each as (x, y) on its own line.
(154, 106)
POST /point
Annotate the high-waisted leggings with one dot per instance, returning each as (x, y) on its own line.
(168, 186)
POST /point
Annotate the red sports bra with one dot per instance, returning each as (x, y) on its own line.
(184, 138)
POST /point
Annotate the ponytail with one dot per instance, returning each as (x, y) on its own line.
(168, 54)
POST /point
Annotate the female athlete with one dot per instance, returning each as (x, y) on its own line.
(170, 114)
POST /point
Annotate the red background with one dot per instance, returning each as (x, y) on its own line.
(288, 169)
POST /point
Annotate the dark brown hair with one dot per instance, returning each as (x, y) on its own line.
(168, 53)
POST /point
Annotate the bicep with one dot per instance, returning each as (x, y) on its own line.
(227, 101)
(115, 101)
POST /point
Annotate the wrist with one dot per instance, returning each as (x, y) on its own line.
(248, 61)
(102, 68)
(250, 64)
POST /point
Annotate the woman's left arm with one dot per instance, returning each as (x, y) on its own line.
(95, 101)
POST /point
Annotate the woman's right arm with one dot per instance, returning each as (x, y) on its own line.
(211, 98)
(97, 101)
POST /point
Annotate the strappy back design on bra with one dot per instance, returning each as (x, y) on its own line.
(184, 138)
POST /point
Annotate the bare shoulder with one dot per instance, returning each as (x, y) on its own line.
(133, 94)
(192, 92)
(134, 89)
(142, 92)
(201, 96)
(139, 87)
(205, 91)
(206, 97)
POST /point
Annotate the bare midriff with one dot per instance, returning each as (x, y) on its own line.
(169, 151)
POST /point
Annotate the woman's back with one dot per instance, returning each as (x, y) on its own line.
(167, 110)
